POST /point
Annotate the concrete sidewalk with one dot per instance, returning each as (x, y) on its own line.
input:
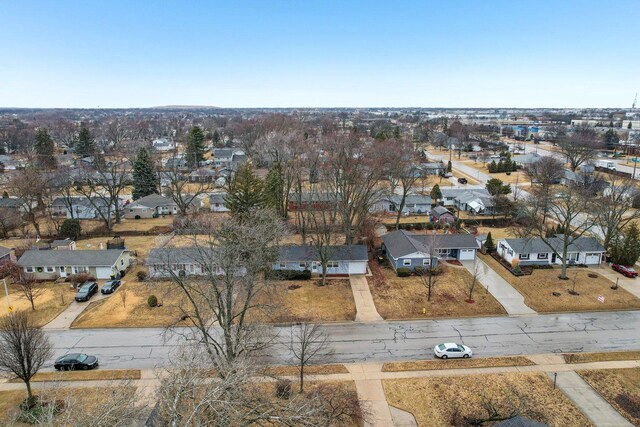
(66, 318)
(511, 299)
(365, 308)
(598, 410)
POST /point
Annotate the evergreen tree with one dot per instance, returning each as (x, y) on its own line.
(145, 179)
(496, 187)
(70, 229)
(45, 150)
(489, 243)
(493, 167)
(195, 147)
(216, 138)
(274, 189)
(5, 195)
(435, 193)
(449, 166)
(85, 146)
(245, 192)
(626, 250)
(611, 138)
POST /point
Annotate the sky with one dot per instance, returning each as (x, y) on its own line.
(325, 53)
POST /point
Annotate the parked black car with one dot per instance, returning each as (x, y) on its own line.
(86, 291)
(462, 180)
(110, 287)
(73, 361)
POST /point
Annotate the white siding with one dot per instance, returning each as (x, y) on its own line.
(357, 267)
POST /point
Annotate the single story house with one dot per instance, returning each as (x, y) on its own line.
(81, 207)
(404, 249)
(228, 157)
(526, 160)
(203, 175)
(49, 265)
(216, 202)
(442, 215)
(474, 200)
(432, 168)
(64, 244)
(343, 260)
(6, 254)
(414, 204)
(150, 206)
(12, 203)
(163, 144)
(189, 261)
(534, 251)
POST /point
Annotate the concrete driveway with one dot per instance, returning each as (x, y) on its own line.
(511, 299)
(630, 285)
(66, 318)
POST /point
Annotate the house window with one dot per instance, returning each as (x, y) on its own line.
(523, 256)
(121, 262)
(543, 256)
(29, 269)
(49, 269)
(426, 261)
(281, 265)
(406, 262)
(303, 265)
(443, 252)
(333, 264)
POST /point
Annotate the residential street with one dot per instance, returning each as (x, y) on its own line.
(388, 341)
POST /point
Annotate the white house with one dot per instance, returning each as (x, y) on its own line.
(151, 206)
(343, 260)
(534, 251)
(48, 264)
(415, 204)
(80, 207)
(182, 262)
(216, 202)
(163, 144)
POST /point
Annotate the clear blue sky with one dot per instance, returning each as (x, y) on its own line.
(271, 53)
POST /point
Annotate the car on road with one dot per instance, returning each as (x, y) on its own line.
(86, 291)
(462, 180)
(450, 350)
(73, 361)
(624, 270)
(110, 287)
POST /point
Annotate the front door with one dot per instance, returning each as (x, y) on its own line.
(314, 266)
(553, 258)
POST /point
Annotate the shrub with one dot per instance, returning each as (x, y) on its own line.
(283, 388)
(70, 228)
(80, 278)
(429, 226)
(289, 275)
(152, 301)
(141, 275)
(419, 270)
(517, 269)
(403, 272)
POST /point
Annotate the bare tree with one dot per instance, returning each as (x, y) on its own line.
(123, 297)
(545, 173)
(613, 210)
(429, 272)
(9, 220)
(580, 147)
(572, 209)
(30, 289)
(28, 186)
(309, 345)
(102, 184)
(233, 256)
(185, 194)
(402, 172)
(24, 349)
(476, 272)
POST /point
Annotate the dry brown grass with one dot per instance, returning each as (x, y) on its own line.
(406, 297)
(434, 365)
(143, 225)
(620, 387)
(601, 357)
(433, 400)
(518, 176)
(287, 371)
(538, 289)
(95, 375)
(309, 302)
(50, 302)
(141, 244)
(496, 233)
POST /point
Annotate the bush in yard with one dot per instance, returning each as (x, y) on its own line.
(70, 229)
(289, 275)
(419, 270)
(517, 269)
(80, 278)
(429, 226)
(283, 389)
(141, 275)
(403, 272)
(489, 243)
(152, 301)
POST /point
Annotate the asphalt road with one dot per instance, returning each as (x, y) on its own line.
(386, 341)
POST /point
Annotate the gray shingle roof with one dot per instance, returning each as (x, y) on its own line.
(440, 210)
(310, 253)
(401, 243)
(537, 245)
(93, 258)
(4, 251)
(189, 255)
(10, 203)
(153, 201)
(217, 197)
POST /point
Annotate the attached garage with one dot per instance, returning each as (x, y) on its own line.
(357, 267)
(341, 260)
(467, 254)
(592, 258)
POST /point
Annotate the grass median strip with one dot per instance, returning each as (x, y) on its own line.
(97, 375)
(601, 357)
(430, 365)
(308, 370)
(619, 387)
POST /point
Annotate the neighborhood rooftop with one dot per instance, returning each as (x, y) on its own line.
(401, 243)
(537, 245)
(37, 258)
(334, 253)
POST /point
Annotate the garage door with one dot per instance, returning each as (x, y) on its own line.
(592, 258)
(103, 272)
(357, 267)
(466, 254)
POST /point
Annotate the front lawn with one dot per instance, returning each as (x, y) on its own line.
(406, 297)
(538, 290)
(620, 387)
(51, 300)
(441, 401)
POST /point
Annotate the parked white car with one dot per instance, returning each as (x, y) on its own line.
(452, 350)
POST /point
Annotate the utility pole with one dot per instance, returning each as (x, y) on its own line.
(6, 291)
